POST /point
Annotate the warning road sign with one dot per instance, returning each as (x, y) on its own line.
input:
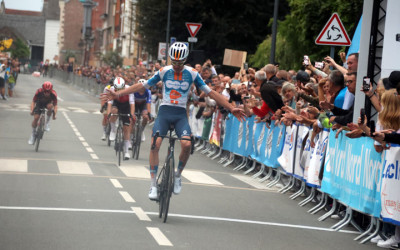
(193, 28)
(333, 33)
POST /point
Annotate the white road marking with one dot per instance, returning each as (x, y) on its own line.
(85, 144)
(89, 149)
(81, 138)
(161, 239)
(176, 215)
(200, 177)
(94, 156)
(250, 181)
(136, 171)
(127, 197)
(14, 165)
(140, 214)
(116, 183)
(60, 99)
(77, 133)
(70, 167)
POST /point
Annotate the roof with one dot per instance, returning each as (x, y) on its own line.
(22, 12)
(32, 28)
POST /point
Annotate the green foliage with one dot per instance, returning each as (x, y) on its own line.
(69, 54)
(19, 49)
(234, 24)
(112, 58)
(298, 31)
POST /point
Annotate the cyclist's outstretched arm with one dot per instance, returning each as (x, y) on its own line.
(221, 100)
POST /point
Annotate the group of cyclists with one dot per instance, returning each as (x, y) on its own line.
(131, 104)
(118, 97)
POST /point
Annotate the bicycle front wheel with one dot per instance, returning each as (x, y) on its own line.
(138, 141)
(161, 183)
(170, 185)
(119, 144)
(39, 133)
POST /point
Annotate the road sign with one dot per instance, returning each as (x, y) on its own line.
(172, 40)
(193, 28)
(333, 33)
(161, 51)
(192, 39)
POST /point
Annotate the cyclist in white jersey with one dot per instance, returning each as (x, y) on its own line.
(177, 79)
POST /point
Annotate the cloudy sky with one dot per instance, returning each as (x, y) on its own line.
(33, 5)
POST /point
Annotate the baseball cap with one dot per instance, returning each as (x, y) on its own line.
(394, 79)
(302, 76)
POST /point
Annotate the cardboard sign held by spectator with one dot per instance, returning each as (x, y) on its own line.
(234, 58)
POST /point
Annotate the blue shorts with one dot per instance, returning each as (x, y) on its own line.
(172, 115)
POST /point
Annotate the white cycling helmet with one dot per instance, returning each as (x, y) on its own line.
(119, 83)
(178, 51)
(142, 81)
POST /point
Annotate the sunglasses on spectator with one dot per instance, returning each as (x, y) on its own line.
(177, 63)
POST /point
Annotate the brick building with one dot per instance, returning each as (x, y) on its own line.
(71, 23)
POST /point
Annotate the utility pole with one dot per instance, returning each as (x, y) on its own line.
(131, 19)
(274, 30)
(87, 28)
(167, 36)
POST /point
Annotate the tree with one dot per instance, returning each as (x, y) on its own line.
(112, 58)
(297, 32)
(234, 24)
(19, 49)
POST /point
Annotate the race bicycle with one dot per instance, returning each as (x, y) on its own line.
(165, 179)
(40, 128)
(119, 138)
(137, 136)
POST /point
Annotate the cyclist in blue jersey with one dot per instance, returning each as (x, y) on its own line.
(143, 105)
(176, 79)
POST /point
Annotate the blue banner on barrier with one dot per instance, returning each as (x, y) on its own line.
(352, 173)
(275, 142)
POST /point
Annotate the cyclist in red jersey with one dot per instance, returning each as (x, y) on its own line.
(45, 97)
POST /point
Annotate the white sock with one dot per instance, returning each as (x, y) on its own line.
(126, 144)
(113, 125)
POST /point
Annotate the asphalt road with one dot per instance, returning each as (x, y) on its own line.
(72, 195)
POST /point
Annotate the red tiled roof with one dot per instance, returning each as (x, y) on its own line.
(22, 12)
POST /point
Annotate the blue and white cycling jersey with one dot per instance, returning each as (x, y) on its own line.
(176, 86)
(145, 98)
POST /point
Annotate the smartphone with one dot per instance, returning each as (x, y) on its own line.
(362, 115)
(372, 128)
(246, 97)
(366, 82)
(246, 66)
(319, 65)
(306, 60)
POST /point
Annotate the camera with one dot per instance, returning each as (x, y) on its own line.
(398, 37)
(246, 97)
(372, 129)
(306, 60)
(362, 115)
(366, 82)
(319, 65)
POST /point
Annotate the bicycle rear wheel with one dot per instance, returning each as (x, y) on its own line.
(119, 144)
(170, 186)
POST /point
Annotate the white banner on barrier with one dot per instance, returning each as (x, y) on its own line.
(317, 155)
(302, 134)
(390, 195)
(286, 159)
